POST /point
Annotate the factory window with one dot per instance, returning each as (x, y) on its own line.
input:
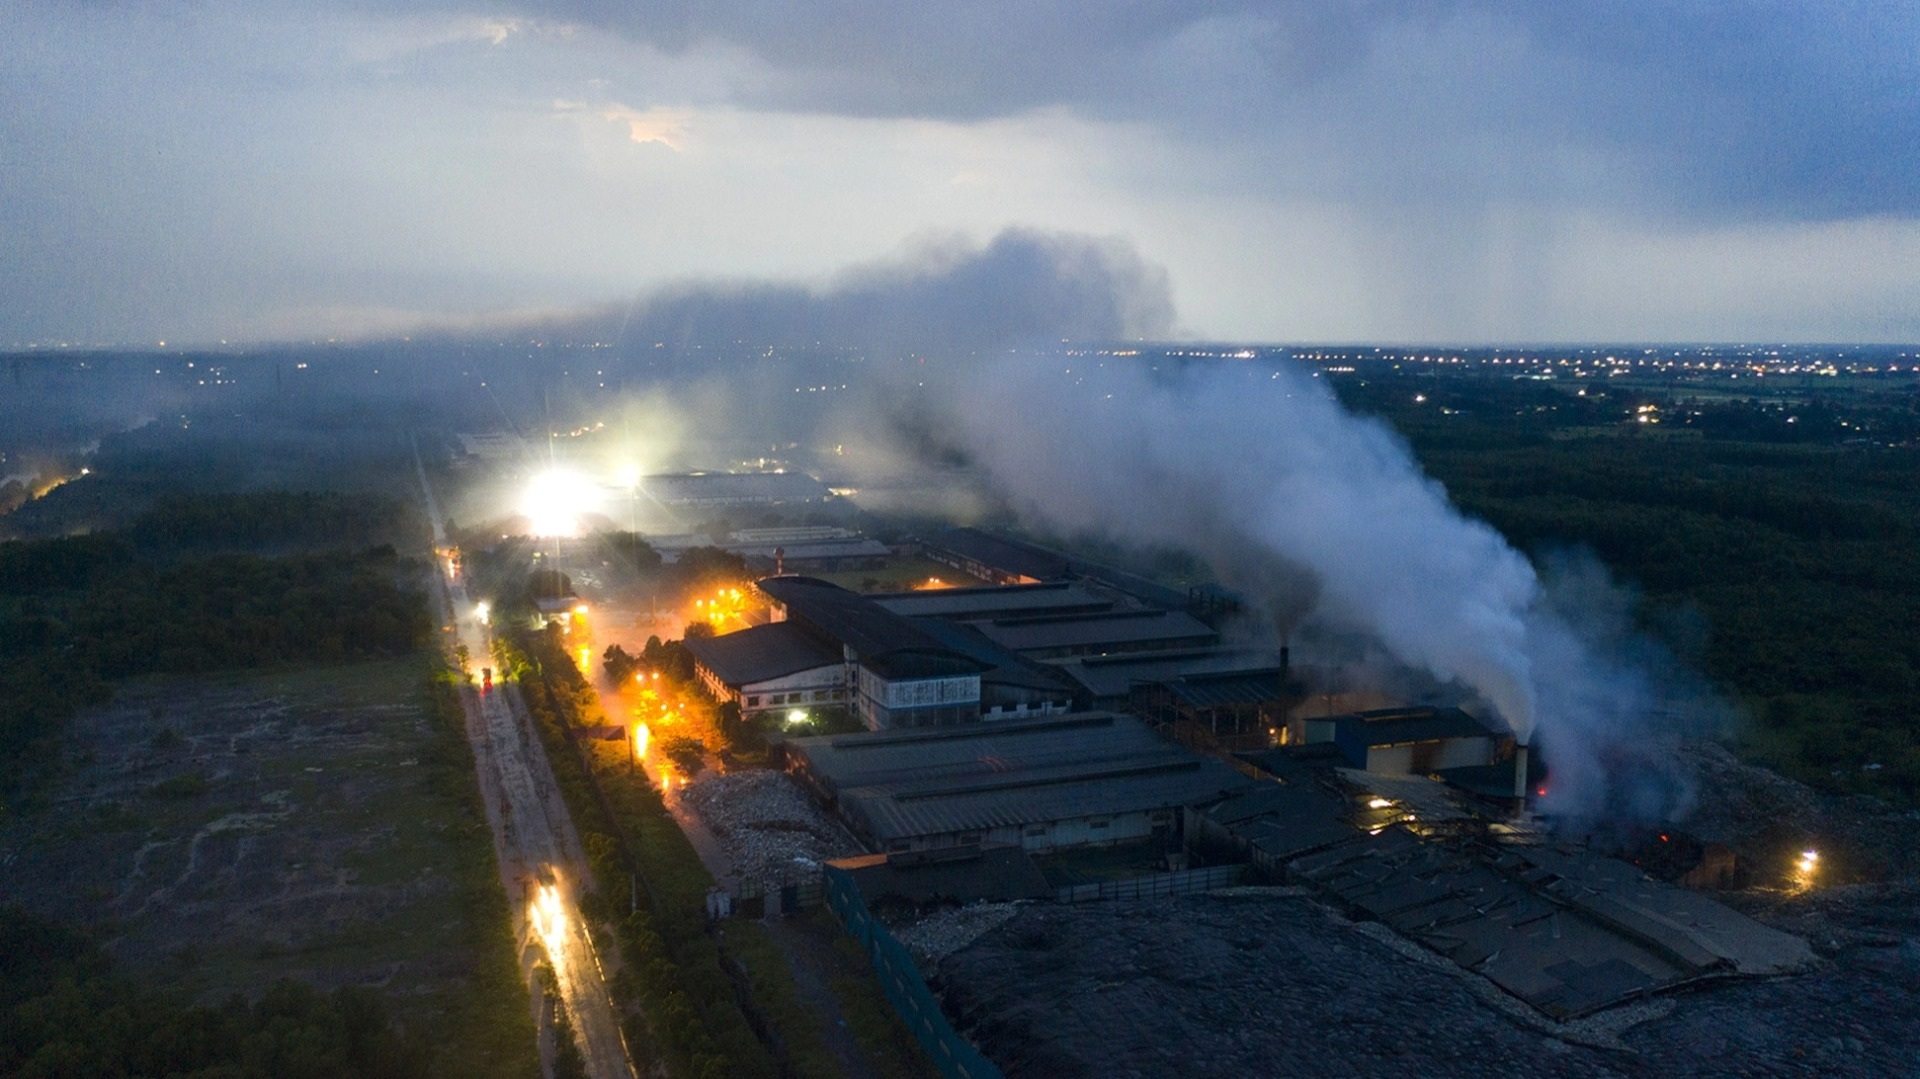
(1098, 822)
(1037, 830)
(1160, 815)
(753, 702)
(899, 845)
(968, 838)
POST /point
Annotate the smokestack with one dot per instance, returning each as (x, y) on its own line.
(1520, 774)
(779, 561)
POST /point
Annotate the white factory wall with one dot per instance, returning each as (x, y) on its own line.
(1448, 753)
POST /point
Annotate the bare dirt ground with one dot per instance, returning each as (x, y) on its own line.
(221, 833)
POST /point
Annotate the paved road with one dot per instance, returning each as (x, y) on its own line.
(541, 864)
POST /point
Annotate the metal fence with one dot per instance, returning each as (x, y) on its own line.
(953, 1055)
(1185, 882)
(756, 899)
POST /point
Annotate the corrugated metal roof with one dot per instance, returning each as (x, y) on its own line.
(1391, 727)
(1226, 689)
(1008, 556)
(1112, 677)
(760, 653)
(1069, 795)
(994, 602)
(899, 784)
(1004, 667)
(848, 617)
(888, 757)
(1110, 628)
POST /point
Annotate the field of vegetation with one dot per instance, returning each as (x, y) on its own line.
(227, 763)
(220, 834)
(1772, 539)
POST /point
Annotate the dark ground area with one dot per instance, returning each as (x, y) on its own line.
(1276, 984)
(1269, 981)
(218, 833)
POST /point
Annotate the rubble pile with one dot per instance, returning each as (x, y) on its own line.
(948, 930)
(771, 831)
(1230, 986)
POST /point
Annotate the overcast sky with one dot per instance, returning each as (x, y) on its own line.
(1476, 171)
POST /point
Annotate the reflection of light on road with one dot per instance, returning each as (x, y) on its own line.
(641, 735)
(549, 919)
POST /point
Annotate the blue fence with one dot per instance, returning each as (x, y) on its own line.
(900, 979)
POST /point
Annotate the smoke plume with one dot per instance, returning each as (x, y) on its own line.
(1024, 286)
(1325, 518)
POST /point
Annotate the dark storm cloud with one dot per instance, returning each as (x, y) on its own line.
(1743, 109)
(1023, 287)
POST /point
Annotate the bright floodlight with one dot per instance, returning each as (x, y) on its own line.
(554, 501)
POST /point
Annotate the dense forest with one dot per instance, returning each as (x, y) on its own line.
(274, 522)
(1779, 557)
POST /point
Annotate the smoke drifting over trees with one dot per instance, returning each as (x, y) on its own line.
(1325, 518)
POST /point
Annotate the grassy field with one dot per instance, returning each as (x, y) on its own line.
(222, 832)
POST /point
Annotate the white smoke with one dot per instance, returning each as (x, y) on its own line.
(1325, 518)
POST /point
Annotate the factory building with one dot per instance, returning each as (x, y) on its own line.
(897, 674)
(1415, 741)
(949, 656)
(780, 550)
(1041, 784)
(771, 668)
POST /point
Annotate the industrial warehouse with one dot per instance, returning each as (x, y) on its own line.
(1033, 783)
(1016, 730)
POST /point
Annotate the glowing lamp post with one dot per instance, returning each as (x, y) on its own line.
(554, 501)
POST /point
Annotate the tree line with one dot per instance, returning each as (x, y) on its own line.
(1787, 573)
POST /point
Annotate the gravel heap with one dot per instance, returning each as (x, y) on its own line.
(950, 929)
(771, 831)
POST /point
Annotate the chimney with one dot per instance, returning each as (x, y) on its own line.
(779, 561)
(1520, 774)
